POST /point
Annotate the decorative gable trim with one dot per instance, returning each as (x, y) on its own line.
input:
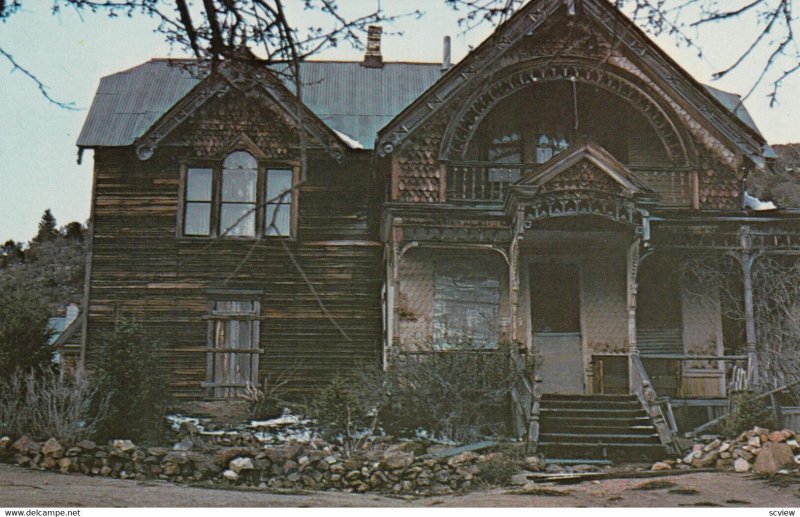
(256, 82)
(601, 159)
(672, 81)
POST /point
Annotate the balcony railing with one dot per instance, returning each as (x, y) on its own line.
(483, 182)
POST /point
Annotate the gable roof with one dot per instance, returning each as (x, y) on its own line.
(594, 154)
(351, 99)
(729, 119)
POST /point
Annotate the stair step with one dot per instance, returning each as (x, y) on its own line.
(615, 451)
(597, 427)
(637, 430)
(645, 439)
(602, 413)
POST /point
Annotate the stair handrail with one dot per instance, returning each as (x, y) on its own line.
(527, 395)
(642, 387)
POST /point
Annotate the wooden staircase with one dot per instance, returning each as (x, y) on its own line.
(614, 427)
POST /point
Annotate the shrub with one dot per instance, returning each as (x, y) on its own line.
(456, 394)
(24, 332)
(44, 404)
(130, 381)
(498, 470)
(749, 411)
(268, 400)
(341, 412)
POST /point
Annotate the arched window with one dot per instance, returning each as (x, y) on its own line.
(239, 197)
(237, 216)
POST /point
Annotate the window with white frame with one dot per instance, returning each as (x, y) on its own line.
(233, 348)
(239, 198)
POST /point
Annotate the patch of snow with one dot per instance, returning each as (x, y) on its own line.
(175, 421)
(286, 419)
(755, 204)
(351, 142)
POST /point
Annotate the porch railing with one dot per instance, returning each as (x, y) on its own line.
(671, 382)
(483, 182)
(659, 409)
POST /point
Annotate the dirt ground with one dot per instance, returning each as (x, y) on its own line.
(21, 487)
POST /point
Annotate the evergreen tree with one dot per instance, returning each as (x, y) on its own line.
(48, 230)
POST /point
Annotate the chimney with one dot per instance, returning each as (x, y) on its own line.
(446, 64)
(373, 58)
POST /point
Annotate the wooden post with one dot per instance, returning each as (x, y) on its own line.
(632, 286)
(746, 260)
(533, 427)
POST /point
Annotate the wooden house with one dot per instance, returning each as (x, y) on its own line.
(544, 191)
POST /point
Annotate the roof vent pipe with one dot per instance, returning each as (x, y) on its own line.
(373, 58)
(446, 64)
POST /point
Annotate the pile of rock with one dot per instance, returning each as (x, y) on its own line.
(403, 469)
(757, 450)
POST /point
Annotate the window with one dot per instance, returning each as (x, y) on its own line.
(279, 202)
(238, 198)
(237, 216)
(197, 215)
(233, 350)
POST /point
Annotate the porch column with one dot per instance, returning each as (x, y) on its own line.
(392, 285)
(513, 276)
(633, 286)
(746, 259)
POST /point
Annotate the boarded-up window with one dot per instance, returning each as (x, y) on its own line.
(233, 348)
(465, 304)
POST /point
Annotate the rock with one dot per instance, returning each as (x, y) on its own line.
(691, 456)
(65, 464)
(773, 457)
(397, 460)
(705, 461)
(52, 448)
(712, 445)
(289, 466)
(25, 445)
(534, 463)
(105, 470)
(755, 441)
(417, 448)
(776, 436)
(793, 443)
(183, 445)
(661, 466)
(224, 457)
(724, 447)
(188, 429)
(123, 445)
(158, 452)
(460, 459)
(741, 465)
(5, 441)
(239, 465)
(230, 475)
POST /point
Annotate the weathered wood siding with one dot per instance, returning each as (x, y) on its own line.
(141, 268)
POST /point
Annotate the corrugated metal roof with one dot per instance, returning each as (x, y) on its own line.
(128, 103)
(350, 98)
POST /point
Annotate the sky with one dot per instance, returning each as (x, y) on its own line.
(71, 52)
